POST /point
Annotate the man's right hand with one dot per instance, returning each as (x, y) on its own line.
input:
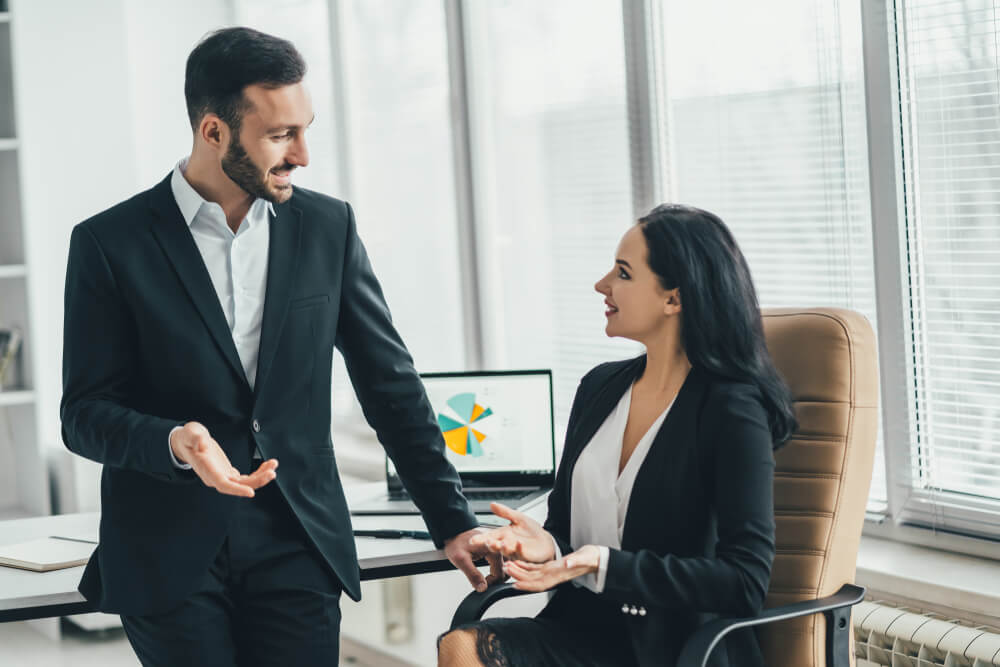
(524, 539)
(192, 444)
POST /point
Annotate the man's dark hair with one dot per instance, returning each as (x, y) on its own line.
(227, 61)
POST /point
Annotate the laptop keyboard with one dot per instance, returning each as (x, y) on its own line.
(494, 495)
(472, 495)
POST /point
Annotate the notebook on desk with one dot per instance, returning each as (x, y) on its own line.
(499, 434)
(46, 554)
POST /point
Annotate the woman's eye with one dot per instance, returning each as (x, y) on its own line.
(622, 274)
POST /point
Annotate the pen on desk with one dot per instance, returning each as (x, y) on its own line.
(394, 534)
(72, 539)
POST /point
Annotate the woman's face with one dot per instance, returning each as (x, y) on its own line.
(637, 305)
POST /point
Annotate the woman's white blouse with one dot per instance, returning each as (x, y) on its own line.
(600, 496)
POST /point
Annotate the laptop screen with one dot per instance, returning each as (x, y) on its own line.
(497, 426)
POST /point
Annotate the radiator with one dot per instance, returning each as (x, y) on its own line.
(888, 636)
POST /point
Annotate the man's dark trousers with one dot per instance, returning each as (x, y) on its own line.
(269, 600)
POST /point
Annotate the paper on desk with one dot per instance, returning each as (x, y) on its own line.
(46, 553)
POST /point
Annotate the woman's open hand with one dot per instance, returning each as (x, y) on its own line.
(537, 577)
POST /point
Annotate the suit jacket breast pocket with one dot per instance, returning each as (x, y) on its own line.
(309, 302)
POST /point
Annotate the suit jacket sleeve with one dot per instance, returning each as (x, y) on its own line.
(734, 581)
(393, 398)
(98, 361)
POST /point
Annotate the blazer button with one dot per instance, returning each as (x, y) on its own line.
(633, 611)
(642, 611)
(256, 426)
(624, 608)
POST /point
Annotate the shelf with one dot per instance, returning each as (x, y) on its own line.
(16, 397)
(8, 144)
(13, 271)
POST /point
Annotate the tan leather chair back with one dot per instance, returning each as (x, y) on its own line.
(828, 358)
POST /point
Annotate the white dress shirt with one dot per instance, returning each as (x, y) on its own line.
(236, 263)
(600, 496)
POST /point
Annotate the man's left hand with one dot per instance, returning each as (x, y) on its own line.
(463, 556)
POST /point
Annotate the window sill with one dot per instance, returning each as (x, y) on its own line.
(956, 585)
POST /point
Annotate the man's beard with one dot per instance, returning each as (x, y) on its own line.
(238, 166)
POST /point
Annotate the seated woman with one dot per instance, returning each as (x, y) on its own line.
(662, 516)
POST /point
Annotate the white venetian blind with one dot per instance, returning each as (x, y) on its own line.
(950, 107)
(552, 184)
(766, 127)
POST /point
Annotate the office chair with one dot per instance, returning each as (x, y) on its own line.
(828, 358)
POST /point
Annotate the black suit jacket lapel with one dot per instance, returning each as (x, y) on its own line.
(282, 264)
(678, 430)
(595, 410)
(174, 236)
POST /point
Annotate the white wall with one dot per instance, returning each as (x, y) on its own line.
(99, 90)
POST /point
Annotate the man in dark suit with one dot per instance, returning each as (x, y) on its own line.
(201, 317)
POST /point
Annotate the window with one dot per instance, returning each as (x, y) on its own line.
(395, 69)
(765, 126)
(551, 169)
(950, 114)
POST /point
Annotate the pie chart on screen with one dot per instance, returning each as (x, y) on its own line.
(459, 433)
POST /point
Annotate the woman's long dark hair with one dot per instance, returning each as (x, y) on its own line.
(722, 332)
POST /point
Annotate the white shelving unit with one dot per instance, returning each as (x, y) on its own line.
(24, 486)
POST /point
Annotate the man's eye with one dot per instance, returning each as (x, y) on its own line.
(286, 135)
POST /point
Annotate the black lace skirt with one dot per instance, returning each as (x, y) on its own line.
(542, 641)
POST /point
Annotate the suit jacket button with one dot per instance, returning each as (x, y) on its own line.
(642, 611)
(256, 426)
(624, 608)
(633, 611)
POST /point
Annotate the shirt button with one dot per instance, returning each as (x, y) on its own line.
(256, 426)
(624, 608)
(642, 611)
(633, 611)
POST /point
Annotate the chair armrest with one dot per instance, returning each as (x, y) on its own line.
(475, 604)
(837, 608)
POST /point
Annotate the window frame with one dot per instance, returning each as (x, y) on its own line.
(890, 149)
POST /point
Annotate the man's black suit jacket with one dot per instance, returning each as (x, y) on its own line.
(698, 541)
(147, 348)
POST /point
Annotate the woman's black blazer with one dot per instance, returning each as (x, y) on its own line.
(698, 540)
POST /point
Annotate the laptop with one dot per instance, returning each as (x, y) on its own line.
(499, 434)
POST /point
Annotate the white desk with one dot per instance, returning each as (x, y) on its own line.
(26, 595)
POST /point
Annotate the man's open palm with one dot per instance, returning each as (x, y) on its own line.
(193, 445)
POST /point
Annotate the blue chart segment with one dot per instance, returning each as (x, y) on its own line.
(459, 435)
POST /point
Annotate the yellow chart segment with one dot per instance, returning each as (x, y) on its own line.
(457, 439)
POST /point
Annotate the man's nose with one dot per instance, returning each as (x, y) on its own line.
(299, 155)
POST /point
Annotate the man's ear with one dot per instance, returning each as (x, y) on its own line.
(213, 131)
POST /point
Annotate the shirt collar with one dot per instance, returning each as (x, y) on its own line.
(190, 202)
